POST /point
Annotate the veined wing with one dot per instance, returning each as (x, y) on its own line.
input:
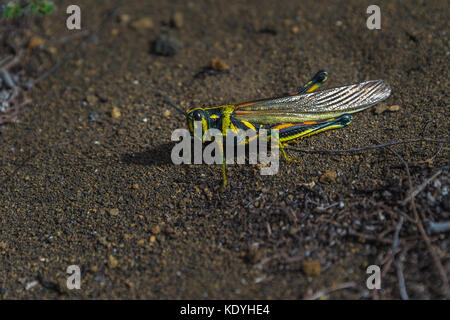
(318, 105)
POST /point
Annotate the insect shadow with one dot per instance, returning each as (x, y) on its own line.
(154, 156)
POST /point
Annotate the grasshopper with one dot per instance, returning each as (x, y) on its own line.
(296, 115)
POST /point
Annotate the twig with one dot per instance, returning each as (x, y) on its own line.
(401, 278)
(367, 237)
(321, 293)
(4, 65)
(425, 237)
(420, 188)
(9, 82)
(396, 242)
(384, 145)
(398, 263)
(438, 227)
(264, 261)
(69, 37)
(395, 212)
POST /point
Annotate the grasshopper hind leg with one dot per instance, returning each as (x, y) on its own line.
(305, 129)
(285, 156)
(312, 85)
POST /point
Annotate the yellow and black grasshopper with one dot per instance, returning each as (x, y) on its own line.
(297, 115)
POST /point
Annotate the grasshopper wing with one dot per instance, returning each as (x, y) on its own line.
(317, 105)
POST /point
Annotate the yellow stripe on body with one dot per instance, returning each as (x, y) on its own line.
(309, 132)
(249, 125)
(314, 87)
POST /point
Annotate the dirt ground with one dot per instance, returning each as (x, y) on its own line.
(85, 185)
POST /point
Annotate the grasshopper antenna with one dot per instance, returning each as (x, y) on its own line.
(166, 99)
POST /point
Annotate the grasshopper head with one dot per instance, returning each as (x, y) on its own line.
(197, 116)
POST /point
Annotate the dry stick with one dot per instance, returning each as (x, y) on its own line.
(398, 263)
(7, 65)
(395, 213)
(69, 37)
(321, 293)
(438, 227)
(401, 278)
(387, 264)
(397, 234)
(420, 188)
(384, 145)
(425, 237)
(367, 237)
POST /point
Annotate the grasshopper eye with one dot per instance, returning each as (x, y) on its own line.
(197, 115)
(321, 76)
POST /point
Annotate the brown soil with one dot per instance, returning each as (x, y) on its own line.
(267, 237)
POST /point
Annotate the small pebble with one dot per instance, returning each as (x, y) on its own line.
(35, 42)
(124, 19)
(311, 268)
(328, 177)
(4, 106)
(91, 99)
(379, 109)
(115, 113)
(219, 65)
(177, 20)
(167, 45)
(93, 116)
(112, 262)
(53, 50)
(30, 285)
(394, 108)
(155, 230)
(142, 24)
(114, 212)
(295, 29)
(309, 185)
